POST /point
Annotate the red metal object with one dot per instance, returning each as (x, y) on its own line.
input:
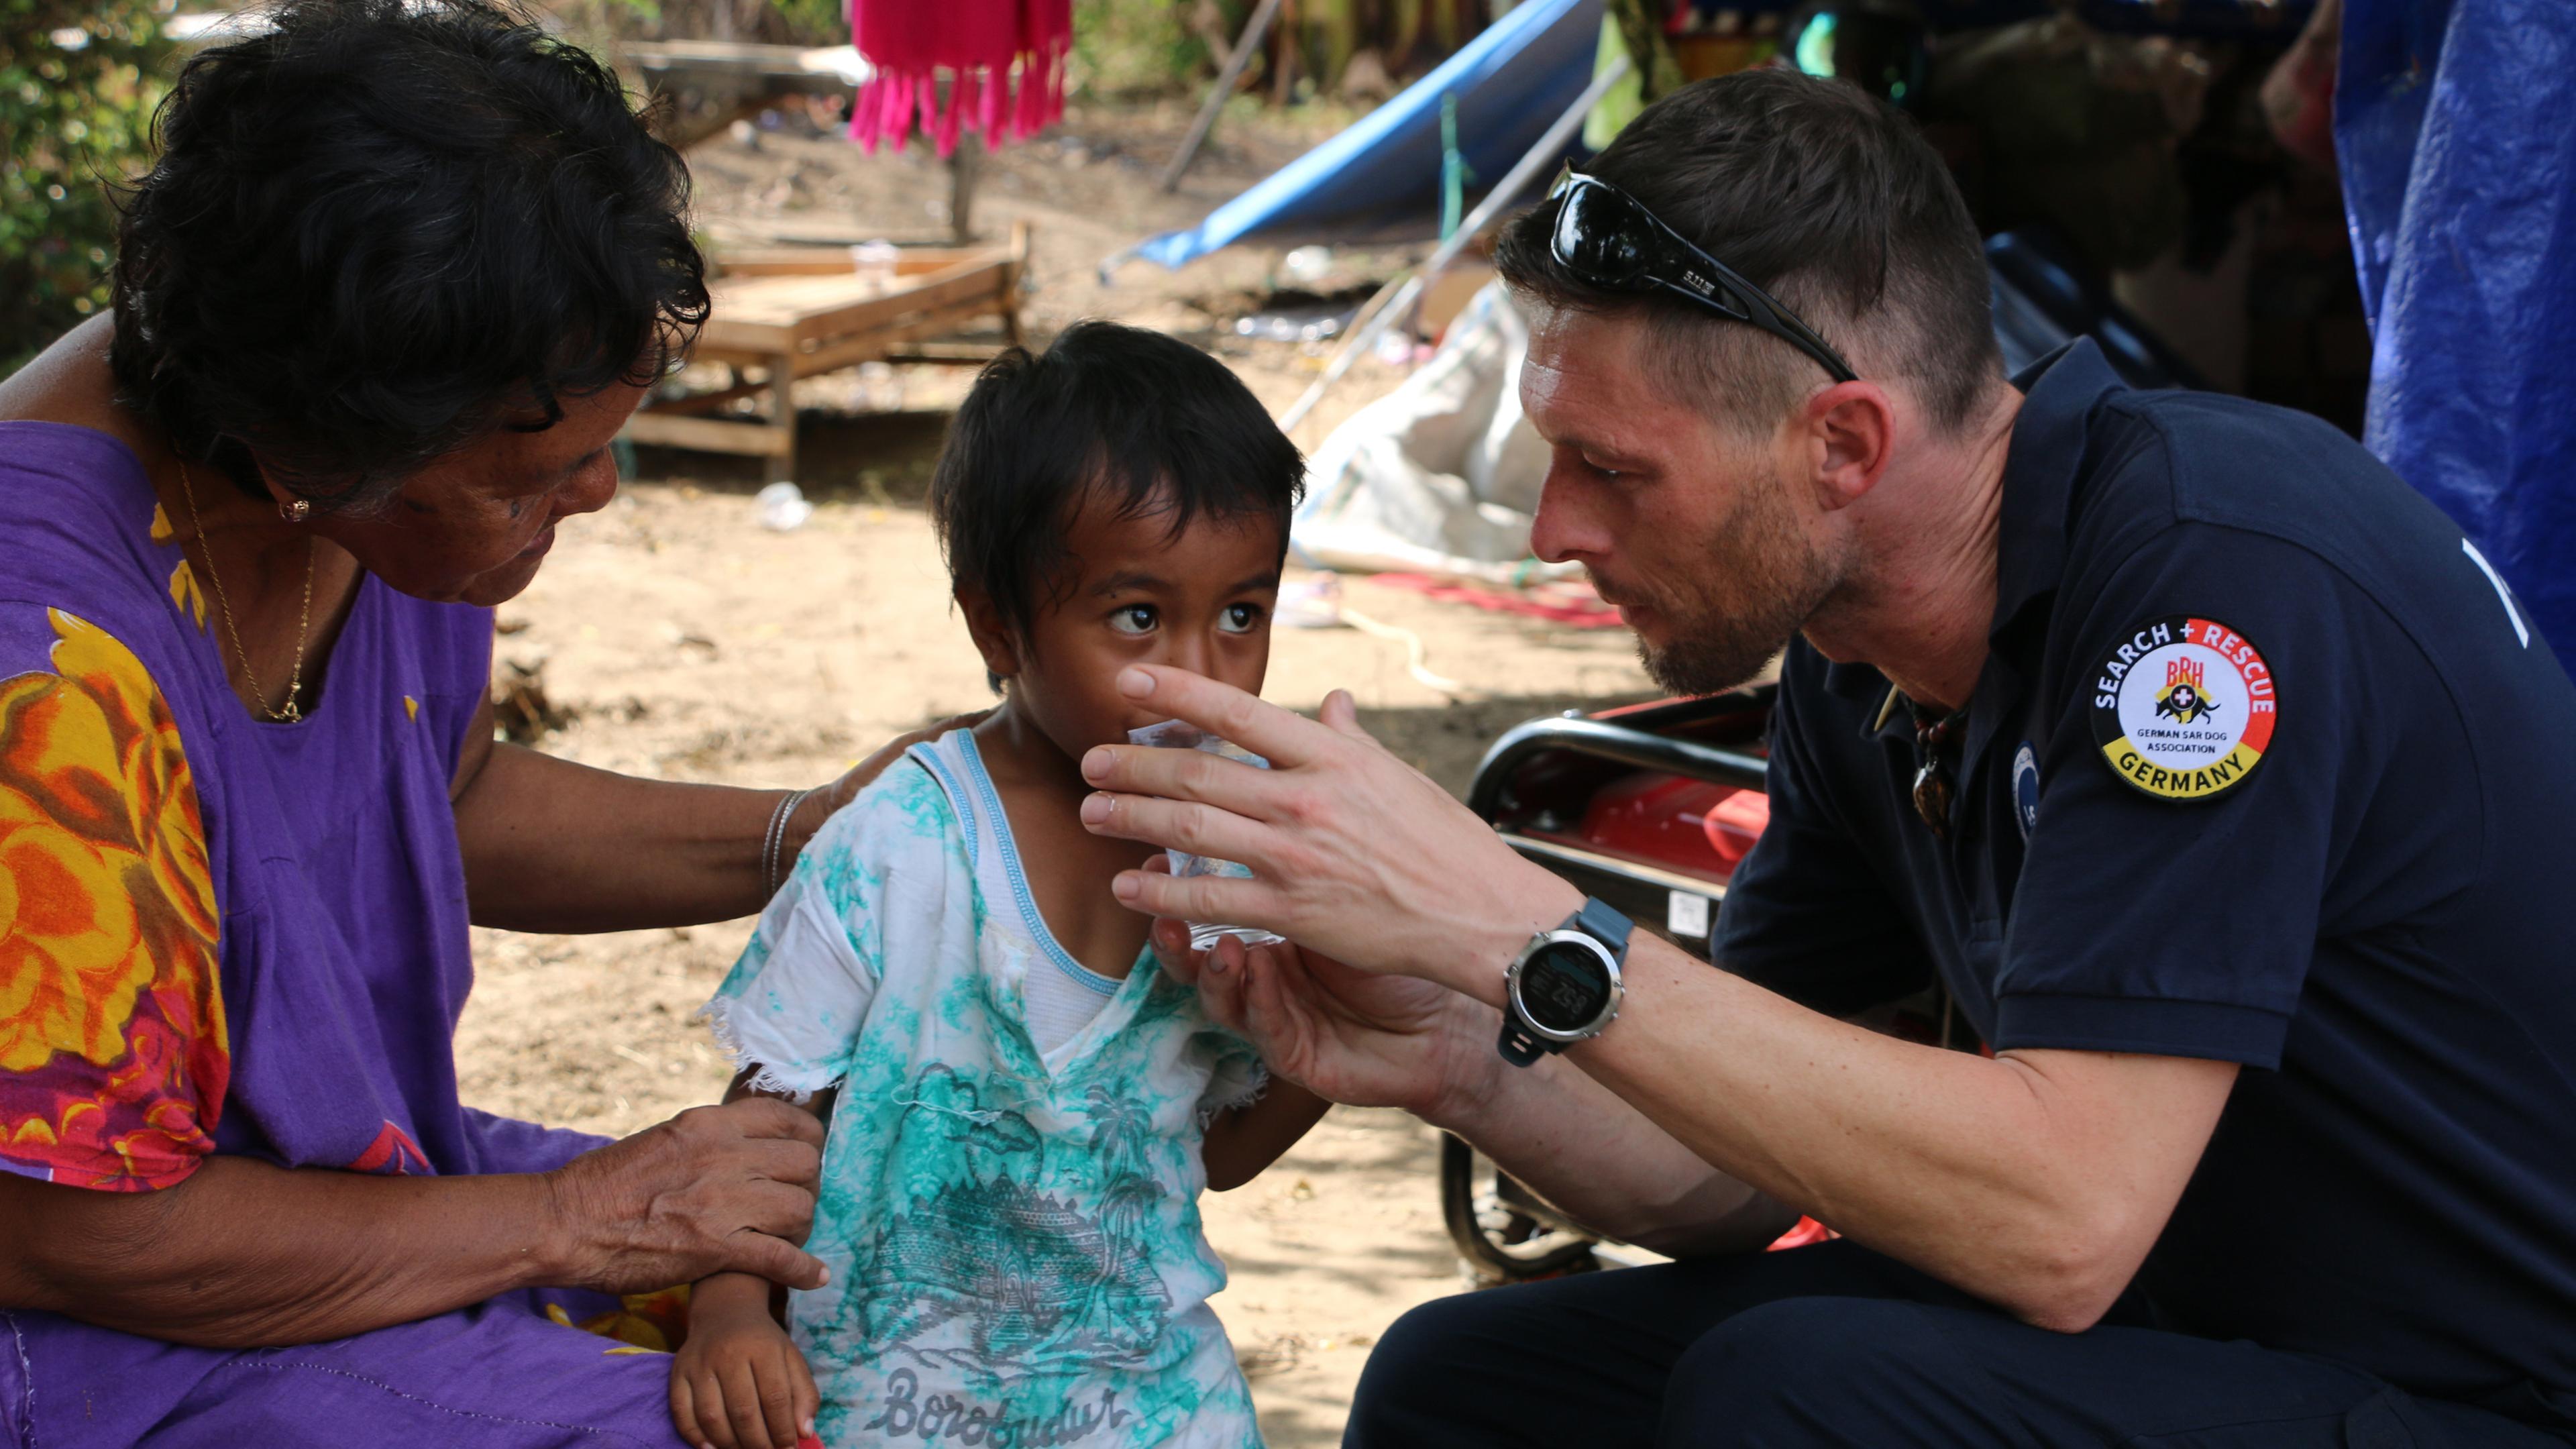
(1807, 1231)
(1696, 827)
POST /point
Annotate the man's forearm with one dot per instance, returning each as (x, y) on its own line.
(244, 1254)
(1600, 1160)
(554, 846)
(2037, 1180)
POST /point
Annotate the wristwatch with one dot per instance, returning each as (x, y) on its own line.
(1564, 985)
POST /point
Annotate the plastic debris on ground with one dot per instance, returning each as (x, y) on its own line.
(1296, 324)
(1314, 602)
(782, 507)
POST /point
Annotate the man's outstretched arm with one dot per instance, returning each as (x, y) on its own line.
(2037, 1180)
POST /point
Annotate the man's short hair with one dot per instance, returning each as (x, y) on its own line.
(1109, 414)
(1823, 196)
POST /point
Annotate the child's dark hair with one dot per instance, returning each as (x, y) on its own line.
(1116, 414)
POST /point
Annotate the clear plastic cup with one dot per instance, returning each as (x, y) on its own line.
(1174, 734)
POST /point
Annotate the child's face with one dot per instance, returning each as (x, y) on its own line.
(1137, 594)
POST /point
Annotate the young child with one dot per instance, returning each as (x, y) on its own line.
(1023, 1108)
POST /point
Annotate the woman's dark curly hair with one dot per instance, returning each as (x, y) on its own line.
(383, 227)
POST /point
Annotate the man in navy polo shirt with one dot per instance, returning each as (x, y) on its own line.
(2220, 782)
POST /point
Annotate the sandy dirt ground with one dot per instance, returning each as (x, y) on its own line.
(688, 643)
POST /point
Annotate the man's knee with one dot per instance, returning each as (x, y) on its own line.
(1410, 1378)
(1459, 1370)
(1814, 1371)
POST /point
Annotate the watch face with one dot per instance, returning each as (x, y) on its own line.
(1564, 988)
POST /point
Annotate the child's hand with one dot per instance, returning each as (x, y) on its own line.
(737, 1381)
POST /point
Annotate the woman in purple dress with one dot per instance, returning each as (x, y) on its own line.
(399, 276)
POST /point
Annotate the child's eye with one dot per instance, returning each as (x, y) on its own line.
(1134, 619)
(1239, 618)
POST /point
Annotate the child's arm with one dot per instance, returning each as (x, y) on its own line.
(737, 1381)
(1244, 1140)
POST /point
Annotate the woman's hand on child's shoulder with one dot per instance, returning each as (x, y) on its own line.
(863, 774)
(737, 1381)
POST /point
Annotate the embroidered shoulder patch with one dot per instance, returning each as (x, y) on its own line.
(2184, 708)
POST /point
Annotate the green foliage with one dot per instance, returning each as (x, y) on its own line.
(1139, 47)
(76, 117)
(813, 22)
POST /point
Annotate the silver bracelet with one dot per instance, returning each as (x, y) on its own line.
(773, 845)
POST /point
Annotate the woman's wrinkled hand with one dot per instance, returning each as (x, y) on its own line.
(715, 1189)
(842, 791)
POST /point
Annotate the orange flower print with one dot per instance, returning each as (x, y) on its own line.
(113, 1054)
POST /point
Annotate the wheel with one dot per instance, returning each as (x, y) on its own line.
(1504, 1232)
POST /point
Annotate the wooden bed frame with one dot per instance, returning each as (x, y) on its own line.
(791, 312)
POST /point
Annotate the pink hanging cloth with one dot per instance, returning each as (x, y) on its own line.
(1004, 61)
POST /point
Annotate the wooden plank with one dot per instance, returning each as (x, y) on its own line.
(782, 418)
(706, 402)
(967, 279)
(773, 313)
(875, 343)
(780, 261)
(752, 339)
(707, 435)
(791, 301)
(835, 261)
(826, 70)
(737, 356)
(948, 354)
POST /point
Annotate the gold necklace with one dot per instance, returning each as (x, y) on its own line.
(294, 711)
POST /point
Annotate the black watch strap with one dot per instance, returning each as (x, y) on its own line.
(1604, 925)
(1521, 1046)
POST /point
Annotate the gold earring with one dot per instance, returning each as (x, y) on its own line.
(295, 512)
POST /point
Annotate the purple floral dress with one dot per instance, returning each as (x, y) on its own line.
(221, 935)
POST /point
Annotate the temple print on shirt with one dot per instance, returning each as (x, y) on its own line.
(1038, 1282)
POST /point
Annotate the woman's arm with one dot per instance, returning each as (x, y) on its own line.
(1244, 1140)
(244, 1254)
(554, 846)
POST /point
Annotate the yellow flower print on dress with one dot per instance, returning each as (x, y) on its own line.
(113, 1052)
(184, 593)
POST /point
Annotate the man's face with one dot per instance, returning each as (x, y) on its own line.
(1705, 539)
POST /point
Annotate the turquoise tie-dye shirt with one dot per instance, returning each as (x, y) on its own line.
(1013, 1237)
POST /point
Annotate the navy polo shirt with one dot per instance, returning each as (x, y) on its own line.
(2264, 765)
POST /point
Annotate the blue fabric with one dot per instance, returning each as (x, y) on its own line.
(2459, 172)
(1512, 81)
(2370, 918)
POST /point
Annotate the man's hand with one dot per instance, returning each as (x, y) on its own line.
(713, 1190)
(1356, 854)
(1345, 1035)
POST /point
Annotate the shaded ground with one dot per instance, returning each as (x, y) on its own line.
(687, 643)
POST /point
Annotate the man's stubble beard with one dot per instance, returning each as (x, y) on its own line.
(1763, 583)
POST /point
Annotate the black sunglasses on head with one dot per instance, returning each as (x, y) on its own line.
(1609, 240)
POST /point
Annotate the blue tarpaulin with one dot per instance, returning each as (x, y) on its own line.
(2454, 134)
(1511, 81)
